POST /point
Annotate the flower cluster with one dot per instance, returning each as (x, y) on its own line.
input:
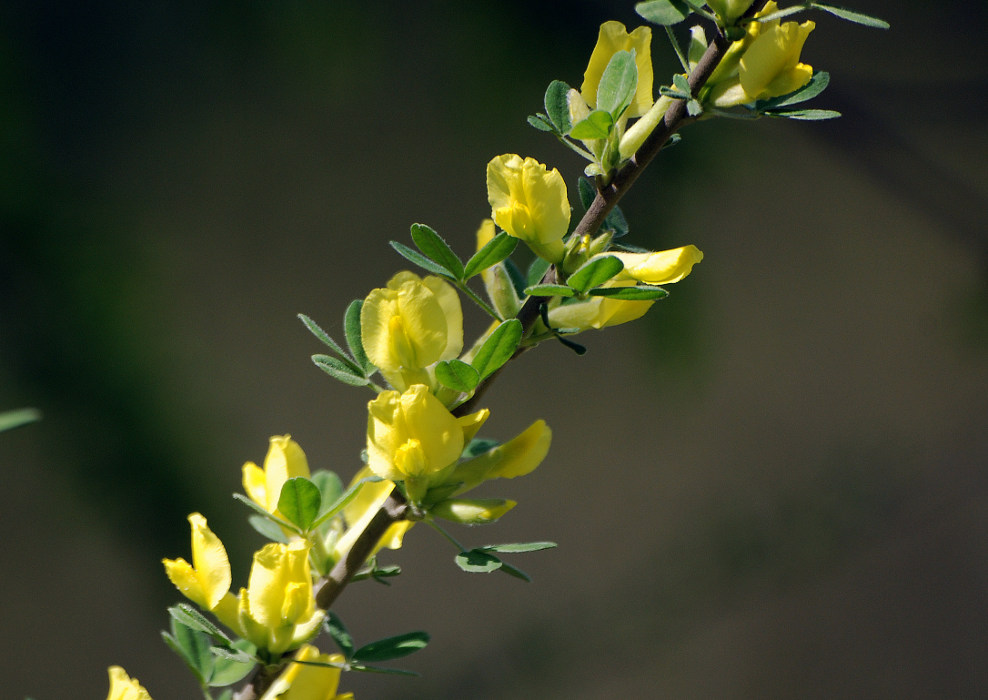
(423, 447)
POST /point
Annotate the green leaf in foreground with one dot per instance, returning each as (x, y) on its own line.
(557, 105)
(322, 335)
(341, 370)
(664, 12)
(457, 375)
(618, 83)
(818, 83)
(496, 250)
(498, 348)
(640, 293)
(477, 561)
(391, 647)
(550, 290)
(594, 273)
(807, 115)
(415, 257)
(435, 248)
(597, 125)
(351, 327)
(518, 547)
(300, 501)
(851, 16)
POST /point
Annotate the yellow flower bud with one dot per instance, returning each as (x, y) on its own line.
(411, 323)
(529, 202)
(278, 610)
(517, 457)
(207, 580)
(658, 268)
(307, 681)
(123, 687)
(285, 460)
(614, 37)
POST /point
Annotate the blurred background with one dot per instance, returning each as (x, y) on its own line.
(773, 485)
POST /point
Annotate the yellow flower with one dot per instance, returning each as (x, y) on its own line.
(123, 687)
(530, 203)
(304, 681)
(517, 457)
(729, 10)
(285, 460)
(658, 268)
(410, 324)
(762, 64)
(614, 37)
(207, 580)
(412, 437)
(277, 610)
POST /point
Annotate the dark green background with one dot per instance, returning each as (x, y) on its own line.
(772, 486)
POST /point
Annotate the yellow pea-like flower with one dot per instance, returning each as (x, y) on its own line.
(123, 687)
(277, 610)
(656, 268)
(285, 460)
(530, 203)
(614, 37)
(517, 457)
(207, 579)
(410, 324)
(764, 63)
(307, 681)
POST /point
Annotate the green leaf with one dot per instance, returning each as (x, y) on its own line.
(341, 370)
(536, 271)
(435, 248)
(338, 632)
(618, 84)
(541, 122)
(457, 375)
(616, 223)
(232, 666)
(557, 105)
(518, 547)
(664, 12)
(808, 115)
(575, 347)
(415, 257)
(381, 669)
(818, 83)
(674, 93)
(391, 647)
(640, 293)
(192, 647)
(186, 615)
(597, 125)
(498, 348)
(322, 335)
(479, 446)
(300, 501)
(594, 273)
(856, 17)
(550, 290)
(694, 108)
(477, 561)
(496, 250)
(682, 84)
(267, 528)
(351, 328)
(18, 417)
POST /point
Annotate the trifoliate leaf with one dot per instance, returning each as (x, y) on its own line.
(457, 375)
(435, 248)
(594, 273)
(664, 12)
(391, 647)
(557, 106)
(496, 250)
(498, 348)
